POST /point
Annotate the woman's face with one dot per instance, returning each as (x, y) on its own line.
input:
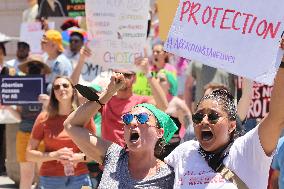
(159, 56)
(164, 82)
(63, 90)
(141, 136)
(214, 130)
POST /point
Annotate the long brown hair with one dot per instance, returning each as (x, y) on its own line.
(53, 107)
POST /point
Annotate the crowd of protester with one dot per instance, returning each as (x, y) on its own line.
(189, 133)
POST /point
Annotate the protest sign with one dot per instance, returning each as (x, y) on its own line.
(117, 30)
(21, 89)
(75, 8)
(259, 106)
(240, 37)
(167, 10)
(32, 33)
(52, 8)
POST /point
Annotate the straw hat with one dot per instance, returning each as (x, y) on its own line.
(35, 59)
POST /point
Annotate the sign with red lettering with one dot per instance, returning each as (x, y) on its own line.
(259, 106)
(240, 37)
(117, 30)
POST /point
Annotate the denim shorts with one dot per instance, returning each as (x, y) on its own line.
(64, 182)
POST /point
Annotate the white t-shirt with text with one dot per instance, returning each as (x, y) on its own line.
(246, 158)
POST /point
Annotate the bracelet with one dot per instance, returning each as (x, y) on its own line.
(99, 103)
(85, 158)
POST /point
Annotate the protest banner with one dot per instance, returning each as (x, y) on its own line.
(32, 33)
(167, 10)
(21, 89)
(240, 37)
(117, 30)
(259, 106)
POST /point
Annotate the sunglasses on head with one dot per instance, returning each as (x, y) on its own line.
(142, 118)
(64, 85)
(212, 117)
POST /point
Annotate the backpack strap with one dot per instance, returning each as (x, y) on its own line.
(229, 175)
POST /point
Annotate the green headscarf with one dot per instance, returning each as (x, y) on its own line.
(172, 81)
(164, 120)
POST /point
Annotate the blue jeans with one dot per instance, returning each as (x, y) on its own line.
(64, 182)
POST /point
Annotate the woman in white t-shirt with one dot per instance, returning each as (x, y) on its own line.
(197, 163)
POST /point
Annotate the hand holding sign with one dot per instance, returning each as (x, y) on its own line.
(143, 64)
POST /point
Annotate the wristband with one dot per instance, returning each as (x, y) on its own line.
(85, 158)
(99, 103)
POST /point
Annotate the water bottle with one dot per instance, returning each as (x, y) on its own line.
(69, 169)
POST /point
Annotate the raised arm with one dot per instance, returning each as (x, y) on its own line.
(160, 98)
(91, 145)
(84, 52)
(245, 100)
(272, 125)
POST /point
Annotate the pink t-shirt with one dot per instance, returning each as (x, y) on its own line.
(112, 125)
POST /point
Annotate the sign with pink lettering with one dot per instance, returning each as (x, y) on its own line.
(240, 37)
(117, 30)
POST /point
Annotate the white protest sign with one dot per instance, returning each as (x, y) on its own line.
(240, 37)
(32, 33)
(117, 30)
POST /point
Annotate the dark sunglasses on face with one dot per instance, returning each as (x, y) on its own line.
(64, 85)
(212, 117)
(142, 118)
(127, 75)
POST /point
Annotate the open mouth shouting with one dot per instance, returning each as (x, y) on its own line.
(206, 135)
(134, 136)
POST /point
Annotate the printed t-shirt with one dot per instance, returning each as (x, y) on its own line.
(112, 125)
(246, 158)
(52, 132)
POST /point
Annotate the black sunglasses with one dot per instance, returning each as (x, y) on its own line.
(142, 118)
(212, 117)
(64, 85)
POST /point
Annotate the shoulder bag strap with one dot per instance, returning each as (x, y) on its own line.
(229, 175)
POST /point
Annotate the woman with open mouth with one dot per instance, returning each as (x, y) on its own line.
(147, 129)
(222, 159)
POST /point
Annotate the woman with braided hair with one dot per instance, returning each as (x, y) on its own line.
(221, 158)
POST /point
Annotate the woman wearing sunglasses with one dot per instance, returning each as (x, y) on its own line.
(219, 158)
(62, 161)
(146, 130)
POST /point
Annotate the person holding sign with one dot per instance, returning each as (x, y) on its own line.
(62, 162)
(221, 158)
(146, 130)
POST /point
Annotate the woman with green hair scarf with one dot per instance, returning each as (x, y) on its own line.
(146, 130)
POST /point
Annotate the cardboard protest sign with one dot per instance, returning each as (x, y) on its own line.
(21, 89)
(167, 10)
(259, 106)
(240, 37)
(117, 30)
(32, 33)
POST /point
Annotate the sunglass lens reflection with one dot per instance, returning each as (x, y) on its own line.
(64, 85)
